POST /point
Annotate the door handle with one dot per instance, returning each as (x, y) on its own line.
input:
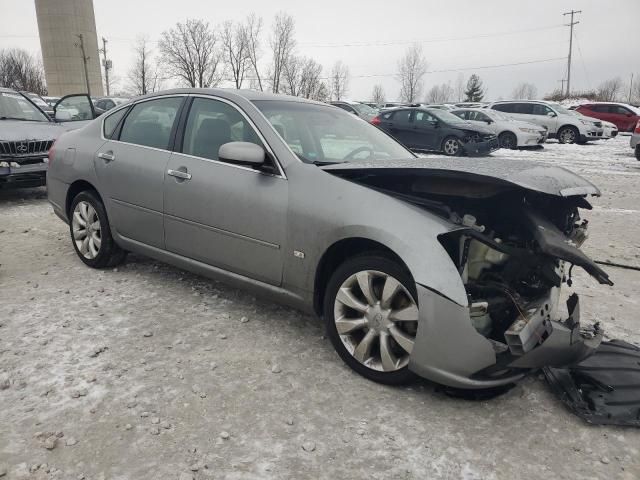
(179, 174)
(107, 156)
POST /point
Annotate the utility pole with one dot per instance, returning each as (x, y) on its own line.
(630, 88)
(105, 63)
(562, 80)
(570, 24)
(84, 61)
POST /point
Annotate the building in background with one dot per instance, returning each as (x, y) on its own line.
(67, 27)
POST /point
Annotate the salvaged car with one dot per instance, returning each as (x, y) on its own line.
(433, 129)
(26, 134)
(446, 268)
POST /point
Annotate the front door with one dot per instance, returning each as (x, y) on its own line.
(131, 168)
(226, 215)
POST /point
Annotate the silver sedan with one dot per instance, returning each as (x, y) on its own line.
(441, 268)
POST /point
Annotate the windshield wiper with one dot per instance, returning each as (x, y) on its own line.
(13, 118)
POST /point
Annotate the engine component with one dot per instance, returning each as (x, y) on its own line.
(480, 318)
(529, 329)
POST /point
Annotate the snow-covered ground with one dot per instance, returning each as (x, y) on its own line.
(149, 372)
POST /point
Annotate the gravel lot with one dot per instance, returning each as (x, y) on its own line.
(149, 372)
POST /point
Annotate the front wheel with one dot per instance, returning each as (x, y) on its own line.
(638, 152)
(372, 317)
(451, 146)
(90, 232)
(508, 140)
(568, 135)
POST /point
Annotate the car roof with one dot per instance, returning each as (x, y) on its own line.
(230, 93)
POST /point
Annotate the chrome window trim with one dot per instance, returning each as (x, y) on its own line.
(133, 104)
(228, 164)
(253, 126)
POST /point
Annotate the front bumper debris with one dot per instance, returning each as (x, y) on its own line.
(603, 389)
(481, 148)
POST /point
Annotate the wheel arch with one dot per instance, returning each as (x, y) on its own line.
(74, 189)
(336, 254)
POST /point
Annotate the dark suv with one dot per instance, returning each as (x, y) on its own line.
(436, 130)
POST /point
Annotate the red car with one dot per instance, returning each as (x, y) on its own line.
(624, 116)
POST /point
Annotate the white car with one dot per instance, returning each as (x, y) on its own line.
(559, 121)
(511, 133)
(609, 130)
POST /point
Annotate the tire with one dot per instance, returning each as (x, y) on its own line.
(451, 147)
(637, 152)
(376, 325)
(101, 250)
(508, 140)
(568, 134)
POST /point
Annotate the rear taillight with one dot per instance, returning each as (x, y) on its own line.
(637, 130)
(376, 121)
(52, 152)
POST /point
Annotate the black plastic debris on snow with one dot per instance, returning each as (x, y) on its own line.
(604, 389)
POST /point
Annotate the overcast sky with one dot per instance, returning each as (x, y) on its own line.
(370, 36)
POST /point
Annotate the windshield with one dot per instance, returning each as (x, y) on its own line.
(446, 116)
(14, 106)
(560, 109)
(323, 134)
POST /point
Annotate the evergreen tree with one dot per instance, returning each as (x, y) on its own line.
(474, 91)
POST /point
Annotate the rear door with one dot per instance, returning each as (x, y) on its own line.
(226, 215)
(131, 167)
(400, 127)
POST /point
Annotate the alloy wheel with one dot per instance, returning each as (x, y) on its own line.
(376, 319)
(568, 135)
(451, 146)
(87, 232)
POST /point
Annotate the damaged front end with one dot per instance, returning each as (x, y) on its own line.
(515, 243)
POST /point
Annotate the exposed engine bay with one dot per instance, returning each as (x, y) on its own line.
(514, 249)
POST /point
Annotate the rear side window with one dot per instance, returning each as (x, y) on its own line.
(111, 122)
(212, 123)
(401, 116)
(149, 123)
(600, 108)
(504, 107)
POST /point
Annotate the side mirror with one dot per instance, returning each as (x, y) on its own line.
(552, 114)
(244, 153)
(433, 123)
(489, 121)
(62, 115)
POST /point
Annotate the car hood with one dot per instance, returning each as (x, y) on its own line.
(16, 130)
(474, 127)
(496, 172)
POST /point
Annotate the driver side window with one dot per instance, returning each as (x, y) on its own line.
(211, 124)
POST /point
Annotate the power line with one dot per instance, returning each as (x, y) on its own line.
(428, 40)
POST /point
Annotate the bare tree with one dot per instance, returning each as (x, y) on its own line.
(191, 51)
(282, 44)
(339, 80)
(21, 71)
(253, 27)
(524, 91)
(377, 95)
(459, 88)
(609, 90)
(236, 49)
(301, 76)
(440, 93)
(411, 69)
(635, 90)
(143, 76)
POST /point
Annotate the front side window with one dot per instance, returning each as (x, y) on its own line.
(14, 106)
(211, 124)
(620, 110)
(539, 109)
(425, 118)
(149, 123)
(322, 134)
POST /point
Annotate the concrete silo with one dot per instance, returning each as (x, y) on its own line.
(66, 27)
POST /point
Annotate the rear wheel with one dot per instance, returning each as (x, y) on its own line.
(90, 232)
(568, 134)
(638, 151)
(508, 140)
(451, 146)
(372, 317)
